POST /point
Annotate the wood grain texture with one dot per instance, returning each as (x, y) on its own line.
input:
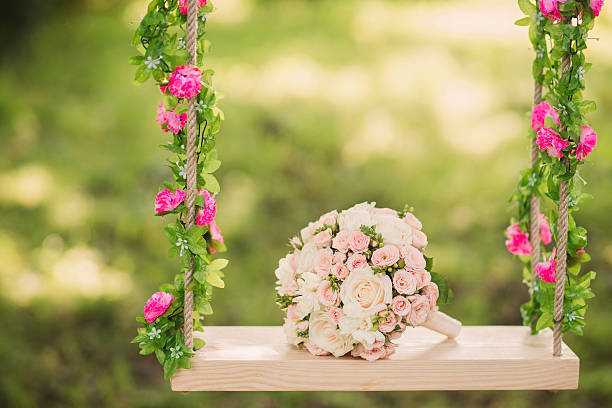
(252, 358)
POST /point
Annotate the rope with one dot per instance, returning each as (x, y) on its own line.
(561, 250)
(534, 222)
(192, 35)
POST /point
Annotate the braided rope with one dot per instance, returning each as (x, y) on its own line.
(560, 272)
(192, 35)
(534, 219)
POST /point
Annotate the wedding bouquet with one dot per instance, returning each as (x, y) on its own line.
(354, 280)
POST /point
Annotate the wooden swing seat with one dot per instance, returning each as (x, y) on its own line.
(257, 358)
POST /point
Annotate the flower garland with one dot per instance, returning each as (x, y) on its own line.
(160, 40)
(558, 31)
(355, 280)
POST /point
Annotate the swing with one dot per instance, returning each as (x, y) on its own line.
(253, 358)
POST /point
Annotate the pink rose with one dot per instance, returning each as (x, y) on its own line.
(419, 312)
(431, 292)
(419, 239)
(339, 258)
(588, 140)
(539, 114)
(294, 259)
(166, 200)
(173, 122)
(289, 288)
(340, 271)
(550, 8)
(329, 218)
(359, 242)
(327, 295)
(422, 277)
(207, 214)
(157, 305)
(341, 241)
(518, 240)
(389, 349)
(550, 141)
(545, 234)
(295, 242)
(398, 333)
(385, 256)
(323, 238)
(400, 306)
(323, 262)
(291, 313)
(185, 81)
(183, 5)
(413, 258)
(596, 5)
(314, 349)
(335, 313)
(404, 282)
(302, 326)
(356, 261)
(387, 325)
(546, 270)
(372, 355)
(413, 221)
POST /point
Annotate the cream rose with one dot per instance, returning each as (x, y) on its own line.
(413, 258)
(394, 231)
(306, 261)
(353, 218)
(329, 218)
(385, 256)
(322, 332)
(419, 312)
(364, 294)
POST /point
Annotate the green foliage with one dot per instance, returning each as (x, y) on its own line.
(160, 40)
(563, 90)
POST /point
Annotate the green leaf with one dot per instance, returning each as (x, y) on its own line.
(523, 22)
(198, 343)
(184, 362)
(161, 356)
(206, 309)
(213, 278)
(446, 293)
(147, 349)
(526, 7)
(199, 276)
(137, 60)
(428, 263)
(142, 74)
(170, 366)
(211, 182)
(218, 264)
(546, 320)
(212, 166)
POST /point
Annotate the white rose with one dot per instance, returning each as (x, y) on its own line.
(364, 294)
(353, 218)
(307, 300)
(284, 272)
(322, 331)
(361, 329)
(394, 231)
(290, 330)
(306, 233)
(306, 262)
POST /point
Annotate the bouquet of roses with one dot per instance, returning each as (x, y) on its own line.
(356, 279)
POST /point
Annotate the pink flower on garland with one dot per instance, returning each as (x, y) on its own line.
(207, 214)
(185, 81)
(588, 140)
(166, 200)
(173, 121)
(545, 234)
(539, 114)
(183, 5)
(550, 8)
(550, 141)
(157, 305)
(215, 233)
(596, 5)
(546, 269)
(518, 240)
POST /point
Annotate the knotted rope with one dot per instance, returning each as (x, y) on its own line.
(534, 219)
(191, 40)
(561, 249)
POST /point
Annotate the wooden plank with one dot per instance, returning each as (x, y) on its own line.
(251, 358)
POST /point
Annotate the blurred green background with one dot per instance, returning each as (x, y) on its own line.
(327, 103)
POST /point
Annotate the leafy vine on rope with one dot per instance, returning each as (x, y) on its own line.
(161, 42)
(557, 29)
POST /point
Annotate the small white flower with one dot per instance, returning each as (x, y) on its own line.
(152, 63)
(181, 43)
(573, 316)
(154, 334)
(200, 106)
(182, 171)
(204, 17)
(176, 352)
(182, 244)
(580, 73)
